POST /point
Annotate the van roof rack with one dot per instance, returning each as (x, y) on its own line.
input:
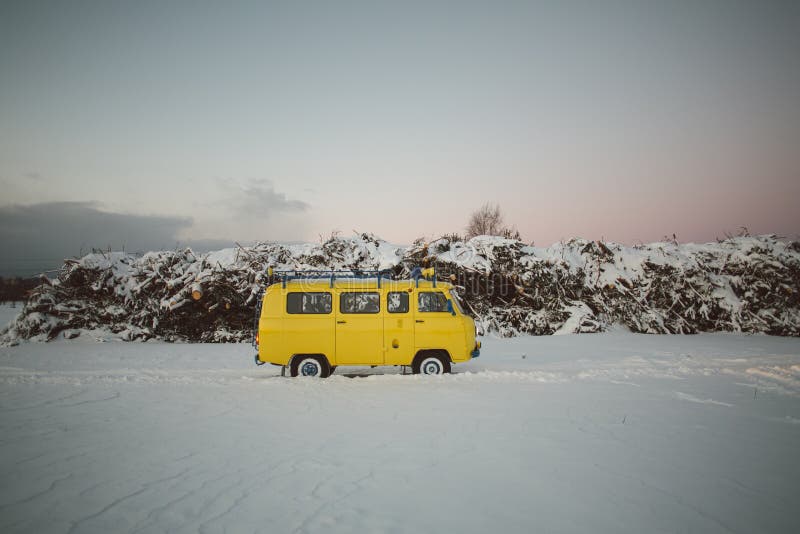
(332, 275)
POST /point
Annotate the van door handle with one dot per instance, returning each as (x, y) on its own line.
(341, 322)
(420, 321)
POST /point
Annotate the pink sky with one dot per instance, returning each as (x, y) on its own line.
(263, 121)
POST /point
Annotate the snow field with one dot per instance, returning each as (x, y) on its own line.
(592, 433)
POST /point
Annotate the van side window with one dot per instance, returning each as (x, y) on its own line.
(359, 302)
(432, 301)
(309, 303)
(397, 302)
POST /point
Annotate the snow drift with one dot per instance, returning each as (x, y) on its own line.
(740, 284)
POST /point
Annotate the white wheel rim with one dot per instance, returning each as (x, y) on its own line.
(431, 366)
(309, 367)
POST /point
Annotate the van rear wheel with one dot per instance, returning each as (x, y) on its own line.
(311, 365)
(431, 365)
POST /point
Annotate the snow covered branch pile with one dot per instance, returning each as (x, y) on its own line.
(742, 284)
(179, 295)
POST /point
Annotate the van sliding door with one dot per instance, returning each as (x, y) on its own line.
(359, 328)
(398, 328)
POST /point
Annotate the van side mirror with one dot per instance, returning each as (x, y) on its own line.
(450, 307)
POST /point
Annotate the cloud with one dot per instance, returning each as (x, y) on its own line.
(37, 237)
(260, 200)
(251, 211)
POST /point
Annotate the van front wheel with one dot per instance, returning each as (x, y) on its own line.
(312, 366)
(431, 365)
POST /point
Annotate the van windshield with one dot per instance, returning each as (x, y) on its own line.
(457, 301)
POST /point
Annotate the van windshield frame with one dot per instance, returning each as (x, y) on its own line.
(457, 301)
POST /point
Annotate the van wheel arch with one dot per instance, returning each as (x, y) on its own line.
(297, 359)
(424, 354)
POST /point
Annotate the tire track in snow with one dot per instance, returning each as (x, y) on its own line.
(203, 527)
(116, 395)
(47, 402)
(75, 525)
(38, 494)
(153, 513)
(784, 376)
(311, 516)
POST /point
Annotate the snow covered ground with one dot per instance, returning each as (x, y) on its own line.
(582, 433)
(8, 312)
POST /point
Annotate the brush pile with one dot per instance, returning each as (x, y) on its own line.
(741, 284)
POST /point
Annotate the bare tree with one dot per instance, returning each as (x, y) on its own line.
(488, 220)
(511, 232)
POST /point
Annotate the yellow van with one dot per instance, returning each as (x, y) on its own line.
(312, 326)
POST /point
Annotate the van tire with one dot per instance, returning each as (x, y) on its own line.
(431, 363)
(310, 365)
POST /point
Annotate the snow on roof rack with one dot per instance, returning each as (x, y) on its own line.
(298, 274)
